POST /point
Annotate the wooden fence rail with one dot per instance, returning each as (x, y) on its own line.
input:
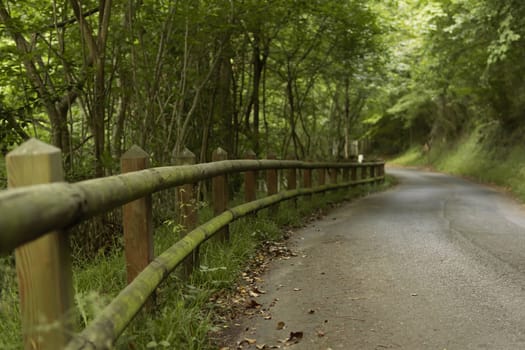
(28, 214)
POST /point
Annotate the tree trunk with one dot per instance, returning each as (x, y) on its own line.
(223, 101)
(257, 71)
(347, 119)
(57, 111)
(96, 48)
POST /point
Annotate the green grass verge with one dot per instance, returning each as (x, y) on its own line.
(3, 174)
(483, 155)
(184, 316)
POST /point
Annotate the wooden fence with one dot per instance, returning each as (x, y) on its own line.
(38, 208)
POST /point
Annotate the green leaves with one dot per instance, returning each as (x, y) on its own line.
(409, 102)
(506, 37)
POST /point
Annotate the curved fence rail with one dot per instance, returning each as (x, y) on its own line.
(29, 214)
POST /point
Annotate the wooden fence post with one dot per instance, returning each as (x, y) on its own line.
(333, 175)
(363, 171)
(272, 184)
(292, 181)
(372, 173)
(321, 180)
(187, 210)
(137, 218)
(220, 193)
(43, 265)
(346, 174)
(307, 179)
(353, 173)
(249, 180)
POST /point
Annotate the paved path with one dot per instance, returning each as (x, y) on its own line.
(434, 263)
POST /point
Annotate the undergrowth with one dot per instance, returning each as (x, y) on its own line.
(3, 175)
(184, 315)
(485, 154)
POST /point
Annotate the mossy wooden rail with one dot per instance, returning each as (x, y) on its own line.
(27, 214)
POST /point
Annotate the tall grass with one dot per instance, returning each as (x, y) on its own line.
(483, 155)
(184, 315)
(3, 174)
(10, 337)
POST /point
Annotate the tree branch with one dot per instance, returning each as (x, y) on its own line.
(70, 21)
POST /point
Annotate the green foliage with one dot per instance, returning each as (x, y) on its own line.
(481, 154)
(455, 64)
(3, 174)
(9, 306)
(180, 74)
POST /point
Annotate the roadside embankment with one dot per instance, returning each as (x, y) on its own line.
(485, 154)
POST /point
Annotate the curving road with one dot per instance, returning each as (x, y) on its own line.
(435, 263)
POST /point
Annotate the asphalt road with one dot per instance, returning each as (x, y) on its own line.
(435, 263)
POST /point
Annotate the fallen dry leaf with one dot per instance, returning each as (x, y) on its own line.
(311, 311)
(241, 303)
(294, 338)
(296, 289)
(250, 341)
(280, 325)
(252, 304)
(259, 291)
(320, 333)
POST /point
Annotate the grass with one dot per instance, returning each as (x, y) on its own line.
(184, 315)
(483, 155)
(10, 336)
(3, 174)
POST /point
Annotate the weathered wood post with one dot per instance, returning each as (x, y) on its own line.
(137, 218)
(322, 176)
(346, 174)
(321, 180)
(307, 179)
(250, 180)
(353, 173)
(378, 173)
(43, 266)
(220, 193)
(272, 184)
(292, 180)
(333, 175)
(364, 174)
(187, 209)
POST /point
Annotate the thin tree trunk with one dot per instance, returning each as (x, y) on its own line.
(57, 111)
(96, 48)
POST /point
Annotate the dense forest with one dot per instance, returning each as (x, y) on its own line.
(93, 78)
(296, 78)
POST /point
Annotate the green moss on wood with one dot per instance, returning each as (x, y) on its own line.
(105, 329)
(28, 213)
